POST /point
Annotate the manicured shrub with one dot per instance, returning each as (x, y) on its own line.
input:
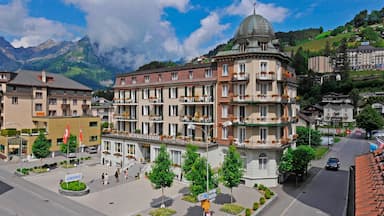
(261, 187)
(162, 212)
(272, 193)
(73, 186)
(255, 206)
(247, 212)
(267, 194)
(262, 200)
(255, 185)
(231, 208)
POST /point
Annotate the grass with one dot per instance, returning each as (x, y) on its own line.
(365, 73)
(189, 198)
(67, 166)
(162, 212)
(323, 35)
(232, 208)
(73, 186)
(320, 151)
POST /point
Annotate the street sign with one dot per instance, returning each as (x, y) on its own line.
(73, 177)
(210, 195)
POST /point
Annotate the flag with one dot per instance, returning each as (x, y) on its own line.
(66, 135)
(81, 136)
(380, 142)
(372, 147)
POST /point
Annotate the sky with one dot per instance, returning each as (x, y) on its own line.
(146, 30)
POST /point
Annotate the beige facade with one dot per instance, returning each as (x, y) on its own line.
(320, 64)
(366, 57)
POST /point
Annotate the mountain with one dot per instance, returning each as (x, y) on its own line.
(77, 60)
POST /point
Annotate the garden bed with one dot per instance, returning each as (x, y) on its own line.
(75, 188)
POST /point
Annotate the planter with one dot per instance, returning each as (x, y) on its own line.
(74, 193)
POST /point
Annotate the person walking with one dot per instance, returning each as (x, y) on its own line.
(106, 178)
(102, 178)
(126, 174)
(117, 175)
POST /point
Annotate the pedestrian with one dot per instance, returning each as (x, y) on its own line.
(126, 174)
(102, 178)
(117, 175)
(106, 178)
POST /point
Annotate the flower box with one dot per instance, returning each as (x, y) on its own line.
(271, 72)
(117, 154)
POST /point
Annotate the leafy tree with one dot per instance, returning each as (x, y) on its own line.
(374, 17)
(369, 119)
(286, 160)
(355, 97)
(232, 169)
(301, 156)
(72, 143)
(342, 62)
(162, 175)
(303, 136)
(370, 34)
(190, 158)
(198, 175)
(327, 49)
(360, 19)
(41, 146)
(299, 62)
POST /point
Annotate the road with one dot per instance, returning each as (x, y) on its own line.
(22, 198)
(324, 192)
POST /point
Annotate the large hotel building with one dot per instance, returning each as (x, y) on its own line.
(245, 96)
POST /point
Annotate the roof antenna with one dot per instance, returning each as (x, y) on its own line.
(254, 8)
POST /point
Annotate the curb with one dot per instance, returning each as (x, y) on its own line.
(266, 205)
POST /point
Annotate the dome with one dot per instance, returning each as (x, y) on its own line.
(255, 26)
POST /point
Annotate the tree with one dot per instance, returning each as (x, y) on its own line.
(72, 143)
(190, 158)
(369, 119)
(299, 62)
(327, 49)
(342, 62)
(232, 170)
(162, 175)
(285, 164)
(301, 156)
(41, 146)
(303, 136)
(360, 19)
(198, 175)
(355, 97)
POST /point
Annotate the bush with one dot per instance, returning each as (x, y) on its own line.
(73, 186)
(247, 212)
(162, 212)
(262, 200)
(231, 208)
(272, 193)
(267, 194)
(40, 170)
(255, 185)
(255, 206)
(261, 187)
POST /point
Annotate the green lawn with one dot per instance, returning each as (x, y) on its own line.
(365, 73)
(320, 151)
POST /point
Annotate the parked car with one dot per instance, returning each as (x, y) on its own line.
(71, 155)
(333, 163)
(91, 150)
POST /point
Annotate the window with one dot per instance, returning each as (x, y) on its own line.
(52, 101)
(224, 111)
(38, 95)
(208, 73)
(93, 138)
(172, 129)
(263, 111)
(133, 80)
(118, 147)
(92, 124)
(84, 101)
(263, 66)
(74, 102)
(225, 70)
(145, 93)
(131, 149)
(59, 141)
(145, 110)
(146, 79)
(15, 100)
(74, 112)
(263, 160)
(52, 113)
(173, 93)
(107, 145)
(173, 110)
(174, 76)
(64, 101)
(176, 157)
(264, 89)
(159, 78)
(224, 132)
(263, 46)
(38, 107)
(156, 151)
(122, 82)
(242, 68)
(190, 74)
(263, 134)
(224, 93)
(145, 128)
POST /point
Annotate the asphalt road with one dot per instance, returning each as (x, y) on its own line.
(22, 198)
(324, 192)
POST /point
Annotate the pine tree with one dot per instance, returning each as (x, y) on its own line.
(190, 158)
(41, 146)
(232, 169)
(162, 175)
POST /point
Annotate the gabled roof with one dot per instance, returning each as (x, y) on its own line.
(34, 78)
(306, 118)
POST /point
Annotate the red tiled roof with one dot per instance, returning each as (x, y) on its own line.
(369, 184)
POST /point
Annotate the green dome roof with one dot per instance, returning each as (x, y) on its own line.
(255, 26)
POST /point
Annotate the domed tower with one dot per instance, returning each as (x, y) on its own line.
(256, 91)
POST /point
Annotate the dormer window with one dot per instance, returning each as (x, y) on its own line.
(242, 47)
(208, 73)
(174, 75)
(190, 74)
(159, 78)
(122, 81)
(133, 80)
(146, 79)
(263, 46)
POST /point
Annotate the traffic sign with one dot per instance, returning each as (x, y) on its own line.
(210, 195)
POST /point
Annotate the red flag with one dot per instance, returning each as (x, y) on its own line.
(66, 135)
(81, 136)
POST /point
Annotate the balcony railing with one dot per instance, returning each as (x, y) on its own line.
(125, 101)
(155, 100)
(266, 75)
(262, 98)
(240, 77)
(197, 120)
(261, 144)
(260, 120)
(155, 118)
(125, 117)
(196, 99)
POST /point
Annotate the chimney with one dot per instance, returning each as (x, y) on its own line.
(43, 76)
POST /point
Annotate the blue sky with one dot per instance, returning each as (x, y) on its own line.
(162, 29)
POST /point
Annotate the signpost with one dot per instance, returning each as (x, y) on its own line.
(210, 195)
(73, 177)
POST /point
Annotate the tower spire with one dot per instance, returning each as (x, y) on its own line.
(254, 8)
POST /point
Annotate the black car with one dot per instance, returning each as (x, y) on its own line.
(333, 163)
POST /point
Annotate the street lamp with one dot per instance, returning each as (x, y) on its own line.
(206, 134)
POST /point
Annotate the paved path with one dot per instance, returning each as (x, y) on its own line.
(325, 192)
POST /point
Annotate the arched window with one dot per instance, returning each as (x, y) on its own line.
(263, 161)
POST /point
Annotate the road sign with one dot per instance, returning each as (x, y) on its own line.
(73, 177)
(210, 195)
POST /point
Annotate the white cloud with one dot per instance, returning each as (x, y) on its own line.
(271, 12)
(29, 31)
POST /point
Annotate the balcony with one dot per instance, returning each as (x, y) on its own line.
(65, 106)
(126, 101)
(260, 144)
(125, 117)
(85, 106)
(203, 120)
(261, 121)
(155, 100)
(266, 75)
(206, 99)
(155, 118)
(240, 77)
(259, 98)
